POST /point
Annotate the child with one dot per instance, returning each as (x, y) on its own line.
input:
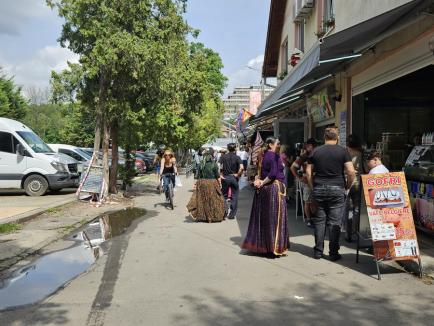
(374, 163)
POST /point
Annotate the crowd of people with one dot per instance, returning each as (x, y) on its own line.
(328, 175)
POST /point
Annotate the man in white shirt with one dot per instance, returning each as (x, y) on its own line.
(374, 163)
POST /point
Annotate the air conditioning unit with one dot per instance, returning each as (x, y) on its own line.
(302, 9)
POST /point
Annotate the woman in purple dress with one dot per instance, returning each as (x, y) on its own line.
(268, 229)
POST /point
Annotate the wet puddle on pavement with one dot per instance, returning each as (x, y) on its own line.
(51, 271)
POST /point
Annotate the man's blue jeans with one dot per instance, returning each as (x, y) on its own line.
(232, 182)
(330, 202)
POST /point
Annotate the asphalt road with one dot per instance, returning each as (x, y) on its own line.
(17, 202)
(168, 270)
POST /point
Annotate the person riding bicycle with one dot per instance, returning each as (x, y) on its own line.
(232, 169)
(168, 170)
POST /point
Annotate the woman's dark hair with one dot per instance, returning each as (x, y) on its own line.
(353, 141)
(372, 155)
(270, 141)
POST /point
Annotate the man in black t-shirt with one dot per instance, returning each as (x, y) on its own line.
(325, 173)
(231, 168)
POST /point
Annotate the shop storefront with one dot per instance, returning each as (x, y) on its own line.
(393, 112)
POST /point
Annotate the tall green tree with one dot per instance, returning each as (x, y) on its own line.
(138, 73)
(120, 43)
(190, 108)
(12, 103)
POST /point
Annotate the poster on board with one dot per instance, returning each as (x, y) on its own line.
(343, 129)
(319, 106)
(93, 181)
(390, 216)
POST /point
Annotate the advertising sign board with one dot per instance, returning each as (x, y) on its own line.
(390, 216)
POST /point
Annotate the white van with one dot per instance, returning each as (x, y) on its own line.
(26, 162)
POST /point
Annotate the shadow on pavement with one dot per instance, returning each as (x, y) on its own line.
(366, 265)
(44, 314)
(307, 304)
(298, 231)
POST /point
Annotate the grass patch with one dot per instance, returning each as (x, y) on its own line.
(9, 227)
(142, 178)
(53, 210)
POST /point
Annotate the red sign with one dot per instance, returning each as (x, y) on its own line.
(390, 216)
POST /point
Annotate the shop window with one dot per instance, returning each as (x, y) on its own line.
(6, 142)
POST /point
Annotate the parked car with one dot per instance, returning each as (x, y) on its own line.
(26, 162)
(150, 156)
(87, 150)
(75, 152)
(148, 163)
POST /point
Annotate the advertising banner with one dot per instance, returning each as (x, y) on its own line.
(390, 216)
(319, 106)
(255, 101)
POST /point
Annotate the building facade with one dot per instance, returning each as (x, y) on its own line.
(248, 98)
(367, 68)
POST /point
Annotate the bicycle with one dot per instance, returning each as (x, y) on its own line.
(168, 188)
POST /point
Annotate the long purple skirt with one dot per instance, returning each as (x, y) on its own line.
(268, 228)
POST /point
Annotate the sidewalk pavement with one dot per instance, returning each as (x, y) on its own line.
(169, 270)
(42, 226)
(299, 230)
(47, 219)
(17, 207)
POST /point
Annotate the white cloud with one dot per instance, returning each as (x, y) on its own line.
(256, 62)
(15, 13)
(36, 71)
(246, 76)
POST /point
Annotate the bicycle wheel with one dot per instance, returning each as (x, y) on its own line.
(170, 195)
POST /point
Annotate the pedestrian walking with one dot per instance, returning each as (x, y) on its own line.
(243, 155)
(268, 229)
(207, 203)
(325, 173)
(232, 169)
(197, 160)
(350, 222)
(298, 170)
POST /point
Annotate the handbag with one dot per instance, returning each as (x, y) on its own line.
(178, 181)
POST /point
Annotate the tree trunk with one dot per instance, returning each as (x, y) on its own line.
(104, 127)
(114, 131)
(97, 141)
(100, 108)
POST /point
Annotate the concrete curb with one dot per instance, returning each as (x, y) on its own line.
(27, 216)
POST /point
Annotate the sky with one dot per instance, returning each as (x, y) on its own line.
(236, 29)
